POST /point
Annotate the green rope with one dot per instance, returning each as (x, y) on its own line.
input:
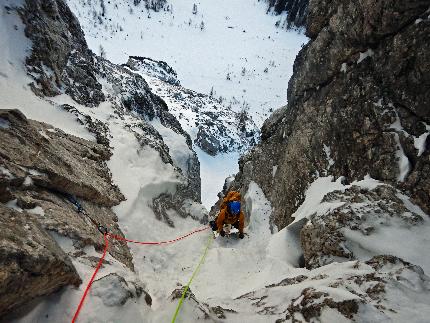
(202, 259)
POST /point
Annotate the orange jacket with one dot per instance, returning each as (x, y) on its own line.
(224, 217)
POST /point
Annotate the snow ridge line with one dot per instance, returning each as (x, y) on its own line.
(119, 238)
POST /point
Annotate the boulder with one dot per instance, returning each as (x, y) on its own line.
(31, 262)
(56, 159)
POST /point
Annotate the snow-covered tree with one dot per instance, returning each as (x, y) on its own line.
(243, 117)
(155, 5)
(102, 51)
(102, 4)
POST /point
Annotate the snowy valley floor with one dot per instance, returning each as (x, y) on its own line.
(238, 40)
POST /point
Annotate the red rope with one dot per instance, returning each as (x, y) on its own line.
(81, 303)
(119, 238)
(160, 242)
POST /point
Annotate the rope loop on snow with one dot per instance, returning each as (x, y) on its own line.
(107, 235)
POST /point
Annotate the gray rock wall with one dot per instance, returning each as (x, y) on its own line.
(358, 100)
(60, 58)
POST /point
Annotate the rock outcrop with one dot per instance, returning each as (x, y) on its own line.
(363, 215)
(357, 105)
(151, 67)
(71, 67)
(42, 171)
(131, 96)
(114, 290)
(348, 292)
(60, 59)
(31, 262)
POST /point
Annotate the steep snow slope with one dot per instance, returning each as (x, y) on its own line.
(240, 58)
(238, 42)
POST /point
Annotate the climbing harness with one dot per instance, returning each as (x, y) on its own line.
(202, 259)
(107, 235)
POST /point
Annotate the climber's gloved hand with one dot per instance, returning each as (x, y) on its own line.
(241, 235)
(222, 233)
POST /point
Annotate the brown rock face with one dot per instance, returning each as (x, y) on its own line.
(357, 104)
(41, 167)
(31, 262)
(57, 159)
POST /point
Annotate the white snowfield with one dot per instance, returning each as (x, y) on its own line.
(237, 273)
(239, 41)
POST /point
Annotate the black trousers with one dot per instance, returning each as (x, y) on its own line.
(215, 228)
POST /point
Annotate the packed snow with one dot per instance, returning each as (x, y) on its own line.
(368, 53)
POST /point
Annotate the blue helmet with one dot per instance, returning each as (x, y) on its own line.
(234, 207)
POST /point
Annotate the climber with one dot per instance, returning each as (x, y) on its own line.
(230, 213)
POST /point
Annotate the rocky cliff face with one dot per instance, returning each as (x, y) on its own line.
(41, 169)
(345, 163)
(358, 105)
(60, 60)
